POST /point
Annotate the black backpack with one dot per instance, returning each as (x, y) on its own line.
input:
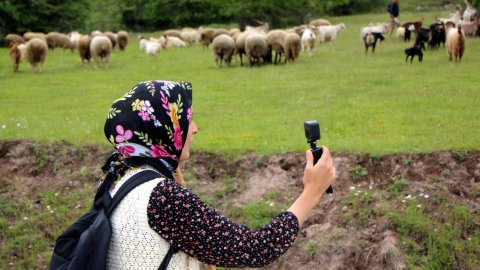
(84, 245)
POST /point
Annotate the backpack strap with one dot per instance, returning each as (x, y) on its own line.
(130, 184)
(136, 180)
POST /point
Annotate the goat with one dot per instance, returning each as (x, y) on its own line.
(371, 39)
(415, 50)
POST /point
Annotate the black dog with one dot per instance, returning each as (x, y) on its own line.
(415, 50)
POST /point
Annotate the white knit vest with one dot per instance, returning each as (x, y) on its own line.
(134, 245)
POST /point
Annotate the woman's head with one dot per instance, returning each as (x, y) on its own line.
(152, 120)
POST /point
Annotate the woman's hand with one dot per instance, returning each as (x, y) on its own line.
(316, 179)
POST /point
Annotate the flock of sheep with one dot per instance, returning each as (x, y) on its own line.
(256, 42)
(33, 46)
(450, 32)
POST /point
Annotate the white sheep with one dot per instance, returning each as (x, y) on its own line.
(100, 48)
(308, 41)
(223, 47)
(329, 33)
(150, 47)
(190, 36)
(401, 33)
(275, 40)
(172, 41)
(256, 48)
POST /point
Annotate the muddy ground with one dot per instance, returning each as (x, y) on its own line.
(339, 243)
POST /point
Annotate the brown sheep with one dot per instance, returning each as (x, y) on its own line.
(12, 38)
(15, 56)
(112, 37)
(455, 43)
(55, 39)
(29, 35)
(36, 52)
(208, 34)
(122, 39)
(83, 47)
(275, 40)
(292, 46)
(172, 33)
(319, 22)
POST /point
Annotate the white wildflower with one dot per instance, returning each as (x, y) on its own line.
(419, 205)
(25, 218)
(425, 196)
(352, 188)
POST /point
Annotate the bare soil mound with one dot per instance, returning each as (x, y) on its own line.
(352, 229)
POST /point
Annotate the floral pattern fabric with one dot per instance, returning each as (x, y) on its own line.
(151, 120)
(183, 220)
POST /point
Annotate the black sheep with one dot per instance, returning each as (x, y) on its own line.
(437, 35)
(415, 50)
(423, 35)
(371, 39)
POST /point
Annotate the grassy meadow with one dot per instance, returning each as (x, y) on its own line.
(375, 103)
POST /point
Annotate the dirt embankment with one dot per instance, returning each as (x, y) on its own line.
(327, 240)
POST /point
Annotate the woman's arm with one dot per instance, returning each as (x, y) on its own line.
(182, 219)
(316, 179)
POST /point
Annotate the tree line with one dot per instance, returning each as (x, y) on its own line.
(18, 16)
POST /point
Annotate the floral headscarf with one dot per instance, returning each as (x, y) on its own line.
(151, 120)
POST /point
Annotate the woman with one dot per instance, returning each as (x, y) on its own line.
(151, 127)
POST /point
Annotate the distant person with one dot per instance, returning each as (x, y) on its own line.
(152, 128)
(394, 10)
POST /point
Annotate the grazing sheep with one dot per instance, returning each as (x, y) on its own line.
(122, 39)
(401, 32)
(223, 47)
(292, 46)
(256, 49)
(308, 41)
(469, 13)
(233, 32)
(15, 56)
(36, 52)
(371, 39)
(30, 35)
(23, 51)
(469, 28)
(100, 48)
(12, 38)
(423, 35)
(275, 41)
(74, 38)
(415, 50)
(172, 33)
(112, 37)
(59, 40)
(96, 33)
(206, 36)
(83, 48)
(329, 33)
(151, 47)
(319, 22)
(172, 41)
(240, 44)
(379, 28)
(190, 36)
(455, 43)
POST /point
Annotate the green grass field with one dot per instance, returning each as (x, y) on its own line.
(375, 103)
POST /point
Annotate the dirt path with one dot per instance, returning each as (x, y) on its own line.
(328, 240)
